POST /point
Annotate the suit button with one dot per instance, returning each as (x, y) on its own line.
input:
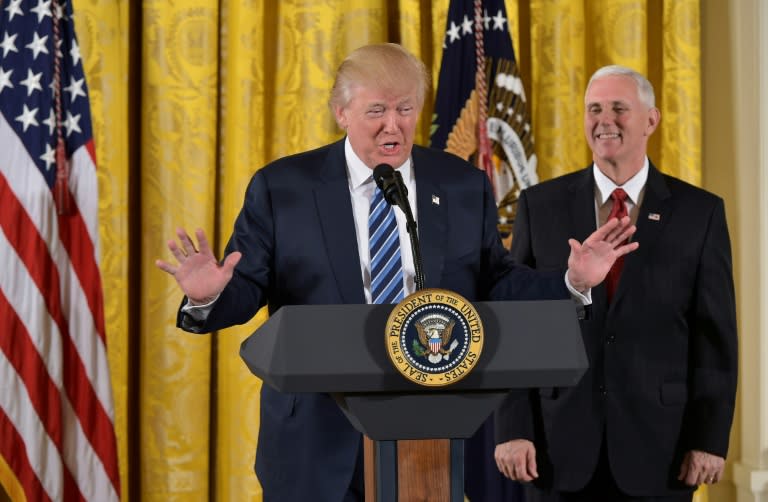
(610, 339)
(602, 390)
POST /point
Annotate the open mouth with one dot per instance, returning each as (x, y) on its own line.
(390, 147)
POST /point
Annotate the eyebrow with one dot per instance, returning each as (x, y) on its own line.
(614, 102)
(405, 102)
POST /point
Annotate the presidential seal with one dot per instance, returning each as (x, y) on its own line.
(434, 337)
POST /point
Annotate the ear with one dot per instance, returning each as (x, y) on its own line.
(654, 117)
(341, 117)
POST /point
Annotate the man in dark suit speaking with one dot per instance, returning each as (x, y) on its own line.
(651, 417)
(303, 236)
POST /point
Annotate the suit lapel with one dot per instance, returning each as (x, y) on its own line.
(431, 218)
(582, 205)
(653, 215)
(334, 207)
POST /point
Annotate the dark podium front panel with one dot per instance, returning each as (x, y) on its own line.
(340, 349)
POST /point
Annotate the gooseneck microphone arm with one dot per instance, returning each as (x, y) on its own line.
(410, 225)
(391, 183)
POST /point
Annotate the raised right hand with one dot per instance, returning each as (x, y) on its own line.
(197, 272)
(516, 459)
(590, 261)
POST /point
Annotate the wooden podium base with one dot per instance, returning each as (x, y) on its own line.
(425, 470)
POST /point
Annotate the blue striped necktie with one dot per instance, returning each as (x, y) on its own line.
(384, 244)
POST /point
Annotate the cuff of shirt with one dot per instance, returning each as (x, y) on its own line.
(198, 313)
(584, 298)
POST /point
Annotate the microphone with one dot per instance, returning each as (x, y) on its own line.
(390, 182)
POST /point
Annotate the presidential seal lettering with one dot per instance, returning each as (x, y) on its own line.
(434, 337)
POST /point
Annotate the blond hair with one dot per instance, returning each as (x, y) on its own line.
(388, 67)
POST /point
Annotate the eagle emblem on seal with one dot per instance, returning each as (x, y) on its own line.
(434, 341)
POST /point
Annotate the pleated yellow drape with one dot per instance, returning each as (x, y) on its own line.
(229, 85)
(558, 77)
(681, 90)
(102, 30)
(179, 127)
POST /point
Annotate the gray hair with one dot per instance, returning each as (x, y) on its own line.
(644, 87)
(381, 66)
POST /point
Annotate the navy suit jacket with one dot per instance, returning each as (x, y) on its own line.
(297, 236)
(663, 354)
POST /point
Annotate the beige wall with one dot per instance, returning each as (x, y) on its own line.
(735, 124)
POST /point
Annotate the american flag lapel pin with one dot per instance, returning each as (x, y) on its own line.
(435, 200)
(654, 216)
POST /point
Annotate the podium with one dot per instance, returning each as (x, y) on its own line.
(417, 432)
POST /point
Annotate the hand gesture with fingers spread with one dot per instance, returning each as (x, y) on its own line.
(590, 261)
(197, 272)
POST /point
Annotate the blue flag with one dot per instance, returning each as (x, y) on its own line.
(481, 112)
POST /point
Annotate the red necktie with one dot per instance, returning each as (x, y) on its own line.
(618, 210)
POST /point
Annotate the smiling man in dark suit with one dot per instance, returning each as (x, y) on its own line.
(302, 237)
(650, 419)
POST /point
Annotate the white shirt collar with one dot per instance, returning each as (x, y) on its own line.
(633, 187)
(360, 174)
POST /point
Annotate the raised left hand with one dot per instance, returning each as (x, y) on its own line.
(590, 261)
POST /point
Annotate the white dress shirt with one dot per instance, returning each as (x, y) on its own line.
(604, 187)
(361, 189)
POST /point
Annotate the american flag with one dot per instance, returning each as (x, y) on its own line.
(57, 437)
(478, 66)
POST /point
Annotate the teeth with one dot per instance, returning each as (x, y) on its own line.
(607, 135)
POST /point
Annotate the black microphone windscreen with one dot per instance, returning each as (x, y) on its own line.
(382, 172)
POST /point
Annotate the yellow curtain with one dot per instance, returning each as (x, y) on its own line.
(190, 98)
(102, 33)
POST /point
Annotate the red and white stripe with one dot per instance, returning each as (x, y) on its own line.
(56, 411)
